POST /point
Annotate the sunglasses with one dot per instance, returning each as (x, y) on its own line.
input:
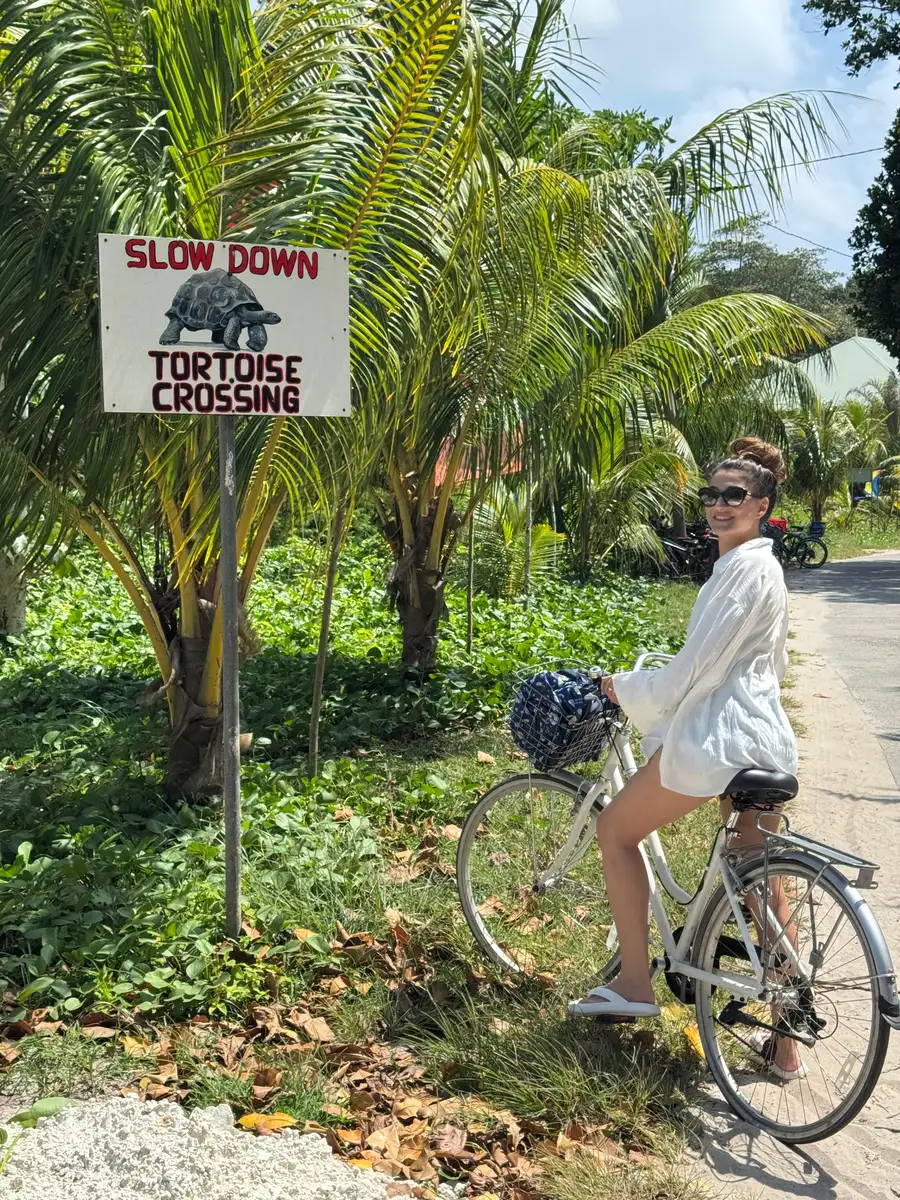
(732, 496)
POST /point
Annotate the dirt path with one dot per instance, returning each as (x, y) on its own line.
(845, 620)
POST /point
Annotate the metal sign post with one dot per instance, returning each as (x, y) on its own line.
(231, 703)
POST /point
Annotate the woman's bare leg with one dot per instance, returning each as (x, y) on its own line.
(749, 839)
(642, 806)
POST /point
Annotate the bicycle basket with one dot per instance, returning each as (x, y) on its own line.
(561, 717)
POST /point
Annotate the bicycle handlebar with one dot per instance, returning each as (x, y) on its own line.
(650, 657)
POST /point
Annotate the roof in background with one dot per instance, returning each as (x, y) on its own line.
(853, 363)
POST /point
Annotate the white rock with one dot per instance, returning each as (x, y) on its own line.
(126, 1149)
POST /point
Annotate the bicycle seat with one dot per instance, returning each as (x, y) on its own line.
(759, 788)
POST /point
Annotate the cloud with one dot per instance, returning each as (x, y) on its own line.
(694, 59)
(685, 47)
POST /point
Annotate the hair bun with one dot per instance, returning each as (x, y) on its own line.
(768, 456)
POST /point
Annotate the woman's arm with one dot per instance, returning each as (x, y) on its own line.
(729, 622)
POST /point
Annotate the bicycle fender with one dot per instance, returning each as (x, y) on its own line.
(889, 1004)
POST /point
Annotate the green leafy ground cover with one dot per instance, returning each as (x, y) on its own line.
(111, 893)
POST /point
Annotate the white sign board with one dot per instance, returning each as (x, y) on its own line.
(223, 328)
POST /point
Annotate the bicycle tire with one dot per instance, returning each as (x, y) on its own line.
(717, 914)
(792, 548)
(493, 933)
(812, 557)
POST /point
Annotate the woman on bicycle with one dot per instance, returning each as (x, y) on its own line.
(710, 712)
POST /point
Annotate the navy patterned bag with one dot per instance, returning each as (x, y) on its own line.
(562, 717)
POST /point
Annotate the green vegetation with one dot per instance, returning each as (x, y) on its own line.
(111, 895)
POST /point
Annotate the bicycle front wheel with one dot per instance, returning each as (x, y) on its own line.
(815, 553)
(524, 922)
(827, 1008)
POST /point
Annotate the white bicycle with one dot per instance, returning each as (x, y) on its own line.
(775, 944)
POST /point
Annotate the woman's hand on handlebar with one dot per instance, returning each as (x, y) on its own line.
(608, 688)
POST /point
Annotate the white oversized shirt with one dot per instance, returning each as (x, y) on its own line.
(715, 708)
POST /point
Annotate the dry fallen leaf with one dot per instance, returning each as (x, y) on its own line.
(318, 1029)
(692, 1033)
(452, 832)
(47, 1028)
(343, 814)
(404, 873)
(483, 1173)
(406, 1109)
(136, 1047)
(484, 757)
(361, 1164)
(267, 1122)
(99, 1031)
(386, 1140)
(448, 1141)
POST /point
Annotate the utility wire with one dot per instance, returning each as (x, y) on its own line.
(809, 162)
(801, 238)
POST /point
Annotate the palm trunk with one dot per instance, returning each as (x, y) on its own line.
(195, 758)
(334, 553)
(679, 525)
(529, 515)
(13, 596)
(470, 586)
(420, 620)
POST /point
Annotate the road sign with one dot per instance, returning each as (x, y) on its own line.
(223, 328)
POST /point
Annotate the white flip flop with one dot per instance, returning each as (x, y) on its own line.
(604, 1002)
(757, 1040)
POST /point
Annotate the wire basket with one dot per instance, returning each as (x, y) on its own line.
(562, 717)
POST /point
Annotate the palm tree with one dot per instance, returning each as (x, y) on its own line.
(613, 506)
(506, 543)
(345, 125)
(562, 283)
(825, 446)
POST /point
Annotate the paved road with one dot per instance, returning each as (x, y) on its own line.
(845, 624)
(861, 637)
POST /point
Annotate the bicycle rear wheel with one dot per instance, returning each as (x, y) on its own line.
(815, 553)
(508, 841)
(831, 1011)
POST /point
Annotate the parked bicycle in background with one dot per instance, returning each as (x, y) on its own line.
(798, 545)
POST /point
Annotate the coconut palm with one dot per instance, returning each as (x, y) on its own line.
(505, 542)
(570, 330)
(345, 125)
(825, 446)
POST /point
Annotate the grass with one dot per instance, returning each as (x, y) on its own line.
(68, 1064)
(861, 537)
(584, 1177)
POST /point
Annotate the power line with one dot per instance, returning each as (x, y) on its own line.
(810, 162)
(801, 238)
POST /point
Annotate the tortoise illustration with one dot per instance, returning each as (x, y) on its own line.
(217, 301)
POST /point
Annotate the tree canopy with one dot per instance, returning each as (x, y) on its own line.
(738, 258)
(876, 245)
(873, 28)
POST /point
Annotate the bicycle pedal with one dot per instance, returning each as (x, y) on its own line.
(614, 1019)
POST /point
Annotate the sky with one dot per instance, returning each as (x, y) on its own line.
(692, 59)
